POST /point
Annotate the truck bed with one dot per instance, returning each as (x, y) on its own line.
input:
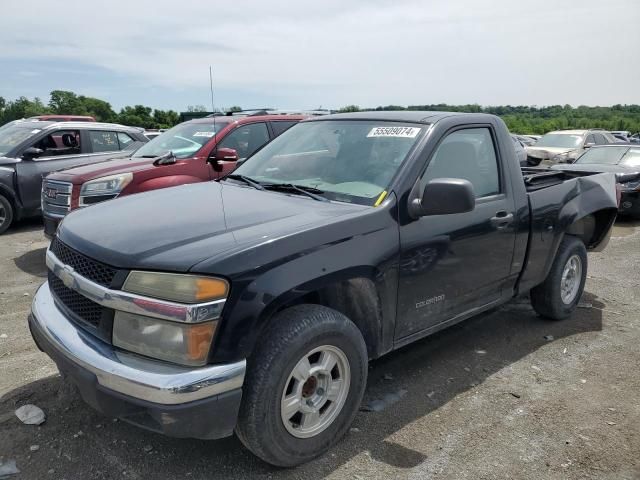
(536, 178)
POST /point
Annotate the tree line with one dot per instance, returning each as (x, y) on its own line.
(540, 120)
(519, 119)
(68, 103)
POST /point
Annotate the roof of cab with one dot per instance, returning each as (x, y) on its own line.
(247, 118)
(392, 116)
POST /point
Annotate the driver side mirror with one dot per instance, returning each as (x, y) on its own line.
(221, 157)
(32, 152)
(589, 145)
(444, 196)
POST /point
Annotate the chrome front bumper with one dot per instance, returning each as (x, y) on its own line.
(128, 374)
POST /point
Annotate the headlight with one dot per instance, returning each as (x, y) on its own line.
(173, 341)
(561, 157)
(176, 287)
(183, 343)
(104, 188)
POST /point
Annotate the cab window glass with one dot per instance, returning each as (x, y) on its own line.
(247, 139)
(61, 142)
(470, 155)
(103, 141)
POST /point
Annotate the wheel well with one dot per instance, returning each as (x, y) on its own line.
(11, 199)
(592, 228)
(357, 299)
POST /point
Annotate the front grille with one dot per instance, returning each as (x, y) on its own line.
(56, 197)
(84, 309)
(95, 271)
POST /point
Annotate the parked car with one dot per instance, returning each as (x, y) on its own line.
(151, 134)
(624, 162)
(254, 303)
(30, 149)
(521, 153)
(194, 151)
(564, 146)
(64, 118)
(624, 135)
(527, 140)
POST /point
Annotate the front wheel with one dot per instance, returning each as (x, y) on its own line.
(558, 296)
(6, 214)
(304, 385)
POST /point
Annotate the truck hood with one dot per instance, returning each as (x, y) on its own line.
(174, 229)
(546, 152)
(84, 173)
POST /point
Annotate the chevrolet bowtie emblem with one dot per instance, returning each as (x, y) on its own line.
(67, 275)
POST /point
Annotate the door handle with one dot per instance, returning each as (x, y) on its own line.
(502, 220)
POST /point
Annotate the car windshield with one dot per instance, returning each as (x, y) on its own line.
(183, 140)
(14, 135)
(631, 158)
(559, 140)
(607, 155)
(345, 160)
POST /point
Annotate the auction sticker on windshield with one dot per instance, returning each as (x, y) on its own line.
(403, 132)
(204, 134)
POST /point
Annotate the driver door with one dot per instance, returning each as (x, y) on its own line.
(61, 149)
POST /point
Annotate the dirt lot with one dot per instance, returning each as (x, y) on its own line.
(506, 395)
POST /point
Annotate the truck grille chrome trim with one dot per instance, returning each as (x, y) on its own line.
(126, 373)
(56, 198)
(132, 303)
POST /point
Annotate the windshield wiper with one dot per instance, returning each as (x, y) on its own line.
(247, 180)
(287, 187)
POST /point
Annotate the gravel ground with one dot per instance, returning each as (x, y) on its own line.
(505, 395)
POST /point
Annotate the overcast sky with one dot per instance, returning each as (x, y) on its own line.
(306, 54)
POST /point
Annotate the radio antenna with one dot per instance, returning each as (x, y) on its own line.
(213, 106)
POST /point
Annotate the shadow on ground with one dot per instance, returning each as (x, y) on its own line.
(446, 364)
(33, 262)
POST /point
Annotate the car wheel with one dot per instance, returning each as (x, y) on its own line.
(6, 214)
(557, 297)
(304, 385)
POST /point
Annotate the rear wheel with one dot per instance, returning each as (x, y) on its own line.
(6, 214)
(557, 297)
(304, 385)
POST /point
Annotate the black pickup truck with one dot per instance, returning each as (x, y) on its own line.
(253, 304)
(30, 149)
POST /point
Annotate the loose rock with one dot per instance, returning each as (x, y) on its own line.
(30, 415)
(34, 448)
(8, 468)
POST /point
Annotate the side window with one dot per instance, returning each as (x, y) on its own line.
(103, 141)
(279, 127)
(590, 139)
(600, 139)
(246, 139)
(124, 140)
(61, 142)
(470, 155)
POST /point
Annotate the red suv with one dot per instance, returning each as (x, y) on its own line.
(194, 151)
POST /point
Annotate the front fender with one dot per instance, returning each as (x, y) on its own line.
(164, 182)
(370, 258)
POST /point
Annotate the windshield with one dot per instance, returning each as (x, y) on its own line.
(350, 161)
(608, 155)
(183, 140)
(14, 135)
(559, 140)
(631, 158)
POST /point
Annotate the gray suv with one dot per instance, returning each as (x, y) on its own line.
(31, 149)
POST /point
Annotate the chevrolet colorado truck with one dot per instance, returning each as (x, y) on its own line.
(195, 151)
(253, 304)
(32, 148)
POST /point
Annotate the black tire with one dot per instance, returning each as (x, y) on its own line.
(546, 298)
(290, 336)
(6, 214)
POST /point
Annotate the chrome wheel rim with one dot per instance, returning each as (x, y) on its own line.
(315, 391)
(571, 278)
